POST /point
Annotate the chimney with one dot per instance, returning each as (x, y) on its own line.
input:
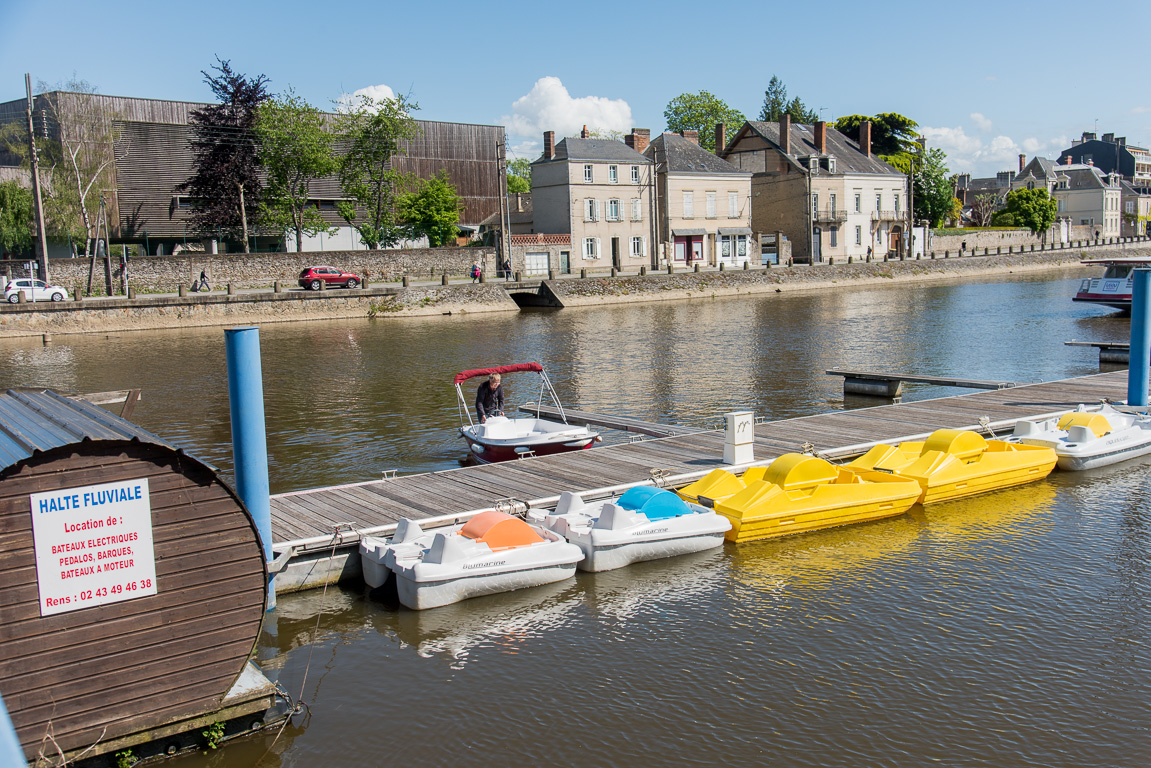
(1069, 160)
(720, 137)
(785, 133)
(549, 145)
(640, 138)
(1109, 138)
(865, 138)
(519, 203)
(821, 137)
(1022, 162)
(692, 136)
(583, 134)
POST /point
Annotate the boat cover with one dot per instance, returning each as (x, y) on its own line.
(654, 503)
(501, 369)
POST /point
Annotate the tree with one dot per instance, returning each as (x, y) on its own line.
(800, 113)
(982, 209)
(700, 112)
(295, 149)
(891, 134)
(225, 182)
(774, 101)
(1030, 208)
(519, 176)
(432, 208)
(934, 194)
(61, 205)
(16, 216)
(372, 133)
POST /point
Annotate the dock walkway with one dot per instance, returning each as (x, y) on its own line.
(307, 521)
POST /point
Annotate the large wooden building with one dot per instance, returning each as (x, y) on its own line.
(151, 157)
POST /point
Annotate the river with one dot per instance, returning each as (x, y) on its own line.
(1009, 629)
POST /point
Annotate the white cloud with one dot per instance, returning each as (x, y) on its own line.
(549, 107)
(374, 92)
(981, 122)
(1140, 110)
(971, 154)
(530, 149)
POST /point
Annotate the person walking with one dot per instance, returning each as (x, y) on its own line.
(475, 272)
(507, 268)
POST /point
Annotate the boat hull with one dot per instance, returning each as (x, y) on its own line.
(422, 595)
(610, 556)
(495, 452)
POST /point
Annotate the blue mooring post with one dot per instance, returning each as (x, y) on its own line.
(10, 751)
(1139, 365)
(249, 436)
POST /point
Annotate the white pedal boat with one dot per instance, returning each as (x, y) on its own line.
(1086, 439)
(492, 552)
(643, 524)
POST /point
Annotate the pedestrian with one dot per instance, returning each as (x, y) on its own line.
(507, 268)
(475, 271)
(869, 253)
(490, 398)
(963, 247)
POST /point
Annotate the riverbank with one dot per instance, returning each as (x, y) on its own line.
(149, 313)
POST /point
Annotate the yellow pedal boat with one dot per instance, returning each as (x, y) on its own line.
(954, 463)
(799, 493)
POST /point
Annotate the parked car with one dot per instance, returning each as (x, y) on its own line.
(34, 290)
(312, 277)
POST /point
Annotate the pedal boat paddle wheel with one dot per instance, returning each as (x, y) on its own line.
(500, 438)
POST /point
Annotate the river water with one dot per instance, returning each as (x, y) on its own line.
(1009, 629)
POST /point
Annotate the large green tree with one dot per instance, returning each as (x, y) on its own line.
(776, 105)
(16, 217)
(296, 148)
(519, 176)
(432, 208)
(700, 112)
(1030, 208)
(934, 194)
(372, 132)
(892, 135)
(225, 183)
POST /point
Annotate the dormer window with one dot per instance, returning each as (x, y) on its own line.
(831, 165)
(813, 163)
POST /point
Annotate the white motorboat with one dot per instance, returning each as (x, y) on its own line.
(1089, 438)
(643, 524)
(492, 552)
(1114, 288)
(500, 438)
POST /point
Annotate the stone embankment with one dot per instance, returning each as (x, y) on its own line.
(104, 315)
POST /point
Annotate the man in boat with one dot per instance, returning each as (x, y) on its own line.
(490, 398)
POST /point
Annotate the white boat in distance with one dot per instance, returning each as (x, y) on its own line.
(1088, 438)
(1114, 288)
(643, 524)
(501, 439)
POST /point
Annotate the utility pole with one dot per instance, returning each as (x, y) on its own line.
(41, 238)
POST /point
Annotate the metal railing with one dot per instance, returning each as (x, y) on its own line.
(830, 214)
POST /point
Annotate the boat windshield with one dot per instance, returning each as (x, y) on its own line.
(1118, 270)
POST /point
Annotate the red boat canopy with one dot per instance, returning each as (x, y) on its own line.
(516, 368)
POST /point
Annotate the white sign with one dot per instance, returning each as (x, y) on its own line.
(93, 545)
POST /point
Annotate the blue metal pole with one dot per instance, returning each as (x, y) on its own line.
(10, 751)
(1139, 367)
(249, 437)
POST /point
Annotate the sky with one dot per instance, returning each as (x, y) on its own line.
(985, 81)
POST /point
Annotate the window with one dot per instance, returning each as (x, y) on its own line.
(710, 197)
(637, 246)
(858, 234)
(613, 174)
(183, 203)
(814, 204)
(587, 175)
(1130, 206)
(636, 209)
(590, 210)
(831, 164)
(613, 212)
(813, 163)
(732, 205)
(591, 247)
(741, 245)
(834, 236)
(831, 204)
(635, 174)
(858, 202)
(688, 205)
(897, 202)
(878, 202)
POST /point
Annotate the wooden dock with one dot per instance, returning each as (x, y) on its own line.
(309, 525)
(622, 423)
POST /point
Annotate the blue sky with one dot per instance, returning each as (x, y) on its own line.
(985, 80)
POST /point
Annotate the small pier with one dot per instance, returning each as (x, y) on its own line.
(890, 385)
(1109, 351)
(316, 532)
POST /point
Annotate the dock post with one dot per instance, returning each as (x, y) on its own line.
(739, 437)
(1139, 367)
(249, 436)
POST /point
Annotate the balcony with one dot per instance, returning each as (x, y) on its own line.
(889, 215)
(831, 215)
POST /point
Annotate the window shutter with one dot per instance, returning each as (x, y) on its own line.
(597, 250)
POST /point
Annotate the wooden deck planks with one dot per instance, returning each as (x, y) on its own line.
(307, 514)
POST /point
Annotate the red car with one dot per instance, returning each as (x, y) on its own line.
(312, 277)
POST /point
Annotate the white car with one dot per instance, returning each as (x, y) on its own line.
(34, 290)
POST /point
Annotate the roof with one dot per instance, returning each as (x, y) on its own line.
(681, 155)
(595, 149)
(1083, 177)
(849, 157)
(34, 421)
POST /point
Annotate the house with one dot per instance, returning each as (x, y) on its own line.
(982, 197)
(1085, 195)
(599, 192)
(1111, 155)
(703, 204)
(1136, 203)
(831, 197)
